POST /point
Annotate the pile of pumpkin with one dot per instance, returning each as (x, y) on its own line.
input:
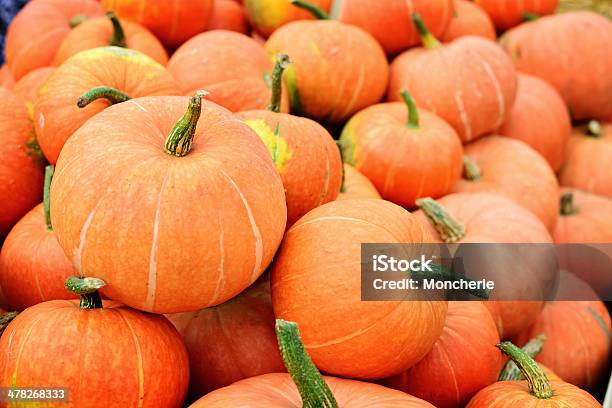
(207, 187)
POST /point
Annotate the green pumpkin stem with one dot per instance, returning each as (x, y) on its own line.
(511, 372)
(105, 92)
(471, 171)
(427, 38)
(593, 128)
(567, 204)
(76, 20)
(181, 136)
(313, 389)
(87, 289)
(528, 16)
(282, 62)
(449, 229)
(413, 113)
(118, 37)
(536, 377)
(6, 319)
(49, 170)
(316, 11)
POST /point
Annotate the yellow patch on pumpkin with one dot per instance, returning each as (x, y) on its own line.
(276, 144)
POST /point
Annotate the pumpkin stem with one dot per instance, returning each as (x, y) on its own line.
(450, 230)
(6, 319)
(428, 39)
(282, 62)
(181, 136)
(87, 289)
(49, 170)
(593, 128)
(511, 372)
(567, 204)
(536, 377)
(313, 389)
(118, 37)
(413, 114)
(316, 11)
(111, 94)
(471, 171)
(76, 20)
(529, 16)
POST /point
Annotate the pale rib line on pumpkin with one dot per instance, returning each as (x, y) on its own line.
(326, 180)
(78, 255)
(221, 270)
(137, 104)
(410, 7)
(498, 92)
(465, 119)
(140, 363)
(340, 218)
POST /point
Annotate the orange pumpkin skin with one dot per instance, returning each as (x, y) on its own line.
(267, 15)
(326, 242)
(228, 15)
(305, 156)
(56, 114)
(38, 30)
(464, 359)
(390, 23)
(21, 171)
(225, 195)
(6, 78)
(578, 346)
(324, 82)
(469, 19)
(278, 391)
(97, 32)
(591, 221)
(48, 343)
(377, 142)
(474, 100)
(509, 13)
(539, 118)
(574, 66)
(33, 267)
(513, 169)
(29, 85)
(172, 21)
(356, 185)
(231, 66)
(231, 341)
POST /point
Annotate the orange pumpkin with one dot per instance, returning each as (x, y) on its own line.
(28, 87)
(204, 204)
(109, 31)
(513, 169)
(172, 21)
(379, 140)
(539, 118)
(267, 15)
(474, 99)
(584, 218)
(385, 337)
(355, 185)
(21, 168)
(6, 78)
(98, 77)
(37, 31)
(574, 66)
(509, 13)
(232, 66)
(303, 152)
(228, 15)
(469, 19)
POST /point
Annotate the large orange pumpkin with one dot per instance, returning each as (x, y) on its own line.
(406, 152)
(539, 118)
(200, 202)
(355, 185)
(172, 21)
(574, 66)
(509, 13)
(267, 15)
(38, 30)
(513, 169)
(21, 168)
(469, 19)
(62, 344)
(469, 82)
(344, 335)
(584, 218)
(100, 77)
(28, 87)
(231, 66)
(228, 15)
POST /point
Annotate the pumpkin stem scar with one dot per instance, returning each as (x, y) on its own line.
(536, 378)
(87, 289)
(5, 319)
(315, 10)
(511, 372)
(471, 171)
(413, 113)
(313, 389)
(282, 62)
(76, 20)
(118, 37)
(428, 39)
(567, 204)
(106, 92)
(593, 128)
(181, 136)
(450, 230)
(49, 170)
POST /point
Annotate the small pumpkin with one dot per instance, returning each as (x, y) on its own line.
(393, 144)
(228, 15)
(474, 99)
(584, 218)
(509, 13)
(28, 87)
(469, 19)
(355, 185)
(267, 15)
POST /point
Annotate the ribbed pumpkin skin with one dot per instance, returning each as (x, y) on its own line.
(469, 19)
(587, 162)
(574, 65)
(228, 15)
(172, 21)
(513, 169)
(231, 341)
(231, 66)
(60, 345)
(279, 391)
(469, 82)
(578, 346)
(324, 82)
(97, 32)
(356, 185)
(377, 142)
(6, 78)
(267, 15)
(463, 361)
(326, 242)
(509, 13)
(38, 30)
(33, 267)
(591, 223)
(305, 156)
(21, 172)
(539, 118)
(29, 85)
(389, 21)
(212, 218)
(56, 114)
